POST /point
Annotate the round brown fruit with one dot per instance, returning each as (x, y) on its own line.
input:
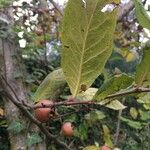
(42, 114)
(39, 32)
(67, 129)
(105, 148)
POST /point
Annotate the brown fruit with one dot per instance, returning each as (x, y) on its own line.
(67, 129)
(42, 114)
(39, 32)
(105, 148)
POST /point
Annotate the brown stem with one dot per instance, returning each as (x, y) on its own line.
(29, 115)
(76, 102)
(131, 91)
(3, 78)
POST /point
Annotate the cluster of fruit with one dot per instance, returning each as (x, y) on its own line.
(43, 115)
(42, 112)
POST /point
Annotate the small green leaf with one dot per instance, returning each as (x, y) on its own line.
(147, 106)
(131, 123)
(116, 105)
(87, 38)
(144, 115)
(51, 86)
(34, 138)
(143, 69)
(82, 131)
(133, 112)
(3, 123)
(112, 86)
(112, 104)
(91, 148)
(141, 14)
(70, 118)
(87, 95)
(94, 116)
(144, 98)
(16, 127)
(107, 137)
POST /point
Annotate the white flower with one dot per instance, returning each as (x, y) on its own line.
(20, 34)
(22, 43)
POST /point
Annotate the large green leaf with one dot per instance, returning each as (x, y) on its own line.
(87, 38)
(143, 69)
(112, 86)
(141, 14)
(51, 86)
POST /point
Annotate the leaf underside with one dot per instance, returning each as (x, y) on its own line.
(87, 38)
(51, 86)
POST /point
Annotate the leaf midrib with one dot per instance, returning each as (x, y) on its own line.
(83, 51)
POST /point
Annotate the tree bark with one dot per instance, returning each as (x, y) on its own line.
(11, 69)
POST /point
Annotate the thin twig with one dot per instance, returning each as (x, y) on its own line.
(3, 78)
(118, 125)
(29, 115)
(118, 128)
(128, 92)
(95, 102)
